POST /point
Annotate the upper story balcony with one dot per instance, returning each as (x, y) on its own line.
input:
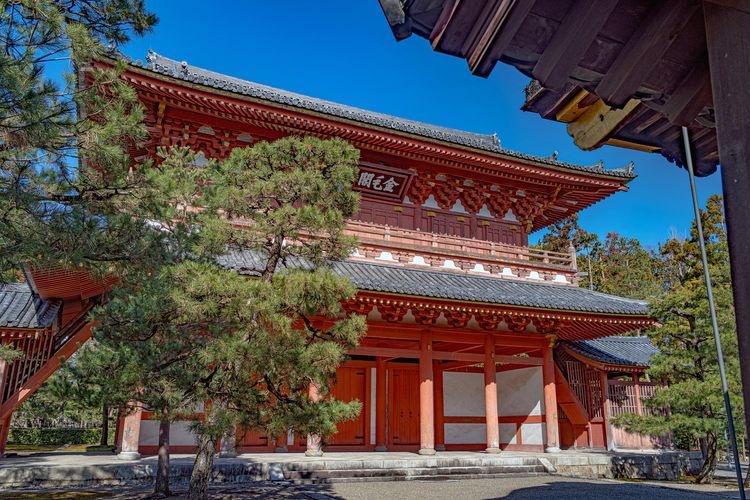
(405, 247)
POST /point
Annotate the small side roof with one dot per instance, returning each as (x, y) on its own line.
(621, 351)
(20, 308)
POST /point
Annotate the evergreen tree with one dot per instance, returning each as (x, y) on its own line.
(66, 189)
(690, 403)
(246, 346)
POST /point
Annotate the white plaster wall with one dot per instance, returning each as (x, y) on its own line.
(508, 433)
(179, 433)
(532, 434)
(520, 392)
(463, 395)
(465, 434)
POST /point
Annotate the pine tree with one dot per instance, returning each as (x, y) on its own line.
(66, 189)
(248, 346)
(690, 403)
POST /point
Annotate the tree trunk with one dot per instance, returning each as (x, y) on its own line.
(706, 473)
(747, 478)
(204, 462)
(161, 488)
(105, 425)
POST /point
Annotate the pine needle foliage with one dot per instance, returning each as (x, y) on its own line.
(243, 346)
(689, 404)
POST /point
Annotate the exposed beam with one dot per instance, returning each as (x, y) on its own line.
(594, 127)
(571, 41)
(691, 95)
(504, 19)
(728, 41)
(394, 13)
(644, 49)
(442, 355)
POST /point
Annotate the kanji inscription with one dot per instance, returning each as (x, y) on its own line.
(380, 181)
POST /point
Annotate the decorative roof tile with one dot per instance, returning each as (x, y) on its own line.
(372, 277)
(490, 143)
(20, 308)
(621, 351)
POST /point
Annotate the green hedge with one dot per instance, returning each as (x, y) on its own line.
(54, 436)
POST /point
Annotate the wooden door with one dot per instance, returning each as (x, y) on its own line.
(351, 384)
(404, 405)
(248, 439)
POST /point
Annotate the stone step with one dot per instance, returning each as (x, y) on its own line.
(410, 473)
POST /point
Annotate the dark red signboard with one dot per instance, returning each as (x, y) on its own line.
(381, 181)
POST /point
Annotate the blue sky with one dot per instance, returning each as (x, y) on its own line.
(343, 51)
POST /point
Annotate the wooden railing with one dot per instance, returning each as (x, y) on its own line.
(405, 238)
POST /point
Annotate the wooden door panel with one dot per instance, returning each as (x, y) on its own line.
(351, 384)
(247, 438)
(404, 402)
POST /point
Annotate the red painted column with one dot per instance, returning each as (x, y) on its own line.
(4, 430)
(380, 402)
(550, 402)
(131, 433)
(437, 370)
(604, 382)
(426, 399)
(314, 441)
(490, 396)
(637, 393)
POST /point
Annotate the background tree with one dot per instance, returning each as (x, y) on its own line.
(687, 363)
(617, 265)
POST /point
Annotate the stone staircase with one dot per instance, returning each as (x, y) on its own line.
(434, 469)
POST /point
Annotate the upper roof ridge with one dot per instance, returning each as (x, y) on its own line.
(486, 142)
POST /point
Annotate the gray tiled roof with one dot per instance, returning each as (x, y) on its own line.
(367, 276)
(623, 351)
(20, 308)
(183, 71)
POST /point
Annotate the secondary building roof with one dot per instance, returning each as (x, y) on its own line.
(181, 70)
(371, 277)
(22, 309)
(621, 351)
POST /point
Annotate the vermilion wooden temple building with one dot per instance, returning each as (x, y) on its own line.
(475, 340)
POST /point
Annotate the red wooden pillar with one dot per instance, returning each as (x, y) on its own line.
(5, 423)
(550, 402)
(4, 430)
(490, 396)
(604, 382)
(131, 433)
(380, 402)
(426, 399)
(437, 370)
(637, 393)
(314, 441)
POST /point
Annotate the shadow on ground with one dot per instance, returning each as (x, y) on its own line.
(612, 491)
(224, 492)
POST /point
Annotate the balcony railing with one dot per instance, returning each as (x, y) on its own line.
(409, 247)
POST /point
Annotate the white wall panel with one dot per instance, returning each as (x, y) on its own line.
(463, 394)
(465, 434)
(520, 392)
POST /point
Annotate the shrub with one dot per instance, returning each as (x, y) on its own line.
(53, 436)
